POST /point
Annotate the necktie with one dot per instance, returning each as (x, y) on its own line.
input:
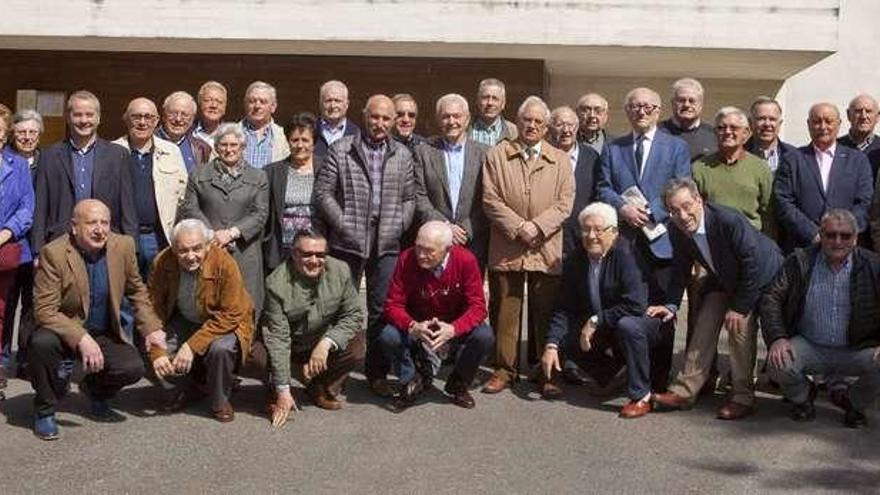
(640, 150)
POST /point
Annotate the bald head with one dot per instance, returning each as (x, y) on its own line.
(592, 112)
(563, 127)
(824, 125)
(432, 243)
(378, 117)
(642, 106)
(140, 117)
(90, 225)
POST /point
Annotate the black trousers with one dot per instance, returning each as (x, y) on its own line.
(52, 363)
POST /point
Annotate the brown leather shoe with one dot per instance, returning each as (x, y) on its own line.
(550, 391)
(496, 384)
(733, 411)
(225, 414)
(670, 400)
(322, 399)
(635, 409)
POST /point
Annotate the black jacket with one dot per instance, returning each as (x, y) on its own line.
(586, 178)
(783, 302)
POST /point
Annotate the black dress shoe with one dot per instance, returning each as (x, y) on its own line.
(574, 376)
(803, 412)
(459, 394)
(852, 417)
(407, 396)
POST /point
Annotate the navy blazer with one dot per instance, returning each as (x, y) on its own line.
(623, 291)
(800, 200)
(745, 260)
(586, 178)
(322, 147)
(781, 147)
(668, 158)
(55, 196)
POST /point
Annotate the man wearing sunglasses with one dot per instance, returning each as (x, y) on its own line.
(406, 111)
(821, 316)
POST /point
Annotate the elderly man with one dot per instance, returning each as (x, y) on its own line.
(199, 294)
(27, 127)
(448, 172)
(83, 166)
(733, 177)
(333, 124)
(406, 112)
(178, 114)
(862, 115)
(738, 262)
(313, 331)
(490, 127)
(212, 98)
(80, 282)
(528, 190)
(818, 177)
(765, 119)
(592, 114)
(601, 308)
(687, 105)
(820, 316)
(266, 142)
(158, 174)
(435, 308)
(365, 193)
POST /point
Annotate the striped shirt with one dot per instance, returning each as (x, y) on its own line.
(825, 319)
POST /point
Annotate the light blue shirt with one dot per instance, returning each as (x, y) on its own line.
(825, 319)
(454, 157)
(258, 152)
(332, 134)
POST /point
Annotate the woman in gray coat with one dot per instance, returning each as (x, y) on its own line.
(233, 198)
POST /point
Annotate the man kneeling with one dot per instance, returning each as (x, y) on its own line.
(198, 291)
(435, 307)
(313, 319)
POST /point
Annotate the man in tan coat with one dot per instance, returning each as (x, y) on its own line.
(80, 283)
(528, 192)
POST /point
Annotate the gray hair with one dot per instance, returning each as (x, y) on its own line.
(840, 215)
(204, 88)
(493, 83)
(327, 86)
(731, 110)
(677, 184)
(179, 95)
(632, 93)
(558, 111)
(188, 225)
(439, 230)
(763, 100)
(598, 209)
(452, 98)
(405, 97)
(231, 129)
(84, 95)
(687, 83)
(862, 96)
(601, 98)
(260, 85)
(534, 100)
(28, 115)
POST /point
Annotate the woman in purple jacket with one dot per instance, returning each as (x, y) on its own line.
(16, 215)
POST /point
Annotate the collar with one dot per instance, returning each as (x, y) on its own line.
(333, 128)
(85, 149)
(863, 143)
(691, 127)
(830, 151)
(380, 146)
(489, 127)
(247, 125)
(846, 262)
(90, 258)
(587, 139)
(702, 228)
(452, 147)
(439, 269)
(649, 135)
(144, 150)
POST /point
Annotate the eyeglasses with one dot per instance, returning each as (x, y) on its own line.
(178, 115)
(838, 236)
(724, 128)
(26, 132)
(309, 254)
(566, 126)
(589, 231)
(143, 117)
(645, 108)
(591, 110)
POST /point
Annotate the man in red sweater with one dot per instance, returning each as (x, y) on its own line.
(435, 306)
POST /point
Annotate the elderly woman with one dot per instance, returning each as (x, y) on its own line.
(290, 190)
(27, 127)
(16, 215)
(232, 198)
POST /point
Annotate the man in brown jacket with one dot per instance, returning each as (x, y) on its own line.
(80, 283)
(528, 192)
(198, 292)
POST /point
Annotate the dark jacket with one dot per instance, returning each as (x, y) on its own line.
(273, 251)
(801, 201)
(745, 260)
(586, 178)
(55, 197)
(872, 151)
(623, 292)
(782, 148)
(783, 302)
(343, 192)
(322, 147)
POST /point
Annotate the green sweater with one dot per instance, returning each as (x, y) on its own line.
(745, 186)
(299, 312)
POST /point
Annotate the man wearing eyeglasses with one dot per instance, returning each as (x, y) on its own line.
(313, 331)
(821, 316)
(406, 111)
(592, 114)
(687, 106)
(818, 177)
(738, 262)
(178, 115)
(159, 176)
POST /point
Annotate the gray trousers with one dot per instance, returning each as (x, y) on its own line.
(812, 359)
(212, 373)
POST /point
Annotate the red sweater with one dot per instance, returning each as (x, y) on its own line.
(456, 297)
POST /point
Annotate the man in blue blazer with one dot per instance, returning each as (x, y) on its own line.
(739, 262)
(765, 120)
(333, 123)
(818, 177)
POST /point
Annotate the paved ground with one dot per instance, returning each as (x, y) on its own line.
(511, 443)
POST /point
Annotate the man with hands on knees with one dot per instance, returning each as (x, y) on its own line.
(821, 316)
(198, 292)
(313, 330)
(80, 283)
(435, 308)
(739, 262)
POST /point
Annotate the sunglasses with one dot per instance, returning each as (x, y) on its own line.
(411, 115)
(839, 236)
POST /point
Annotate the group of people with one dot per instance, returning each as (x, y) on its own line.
(191, 249)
